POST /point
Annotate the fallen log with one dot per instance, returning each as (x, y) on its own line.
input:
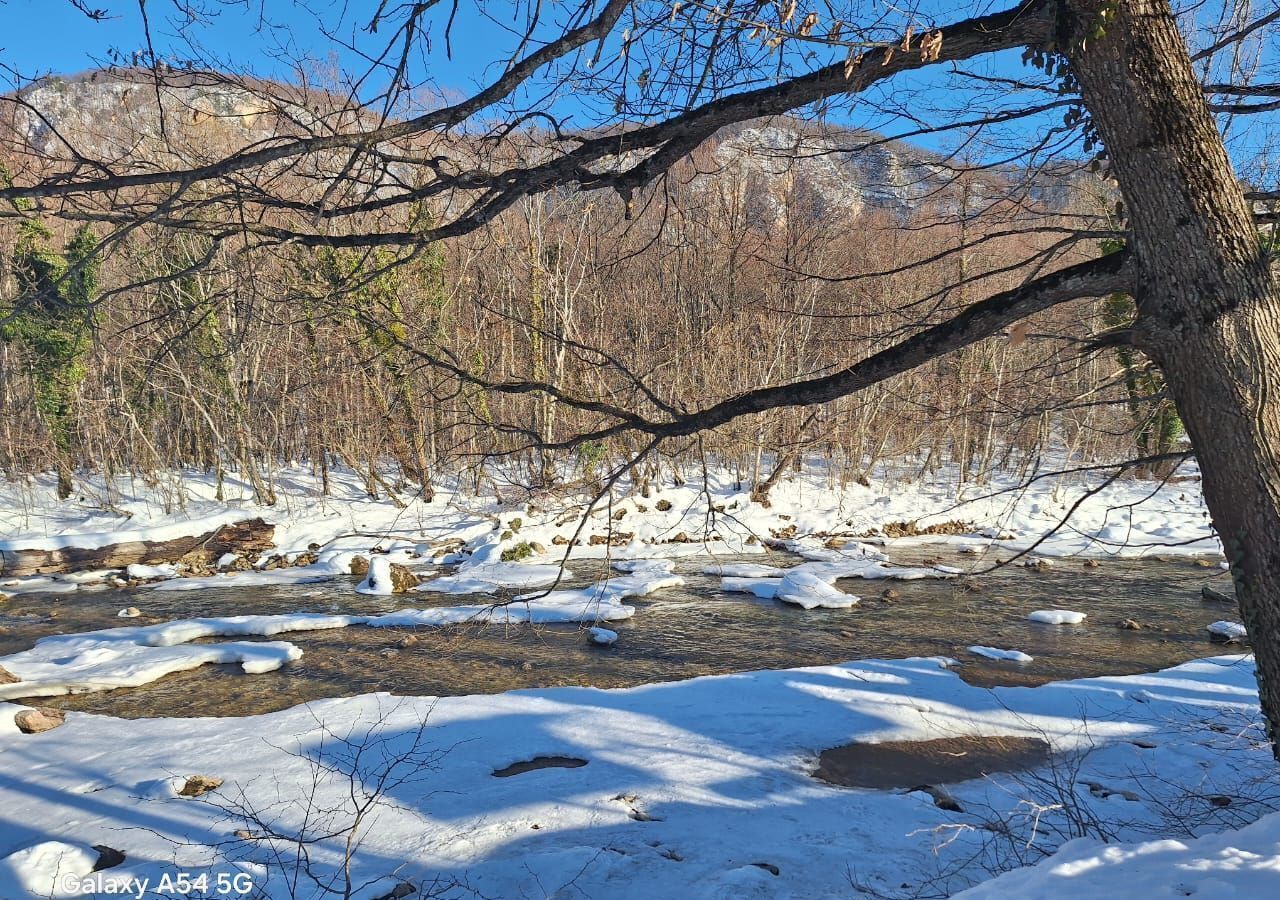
(248, 536)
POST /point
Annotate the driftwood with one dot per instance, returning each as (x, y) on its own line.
(249, 536)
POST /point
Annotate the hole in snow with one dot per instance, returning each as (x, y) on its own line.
(540, 762)
(905, 764)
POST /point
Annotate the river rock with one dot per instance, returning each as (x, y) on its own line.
(399, 892)
(1129, 625)
(199, 785)
(537, 547)
(39, 720)
(1208, 593)
(402, 578)
(360, 565)
(108, 857)
(7, 677)
(129, 612)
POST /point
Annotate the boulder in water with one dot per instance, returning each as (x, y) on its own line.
(386, 577)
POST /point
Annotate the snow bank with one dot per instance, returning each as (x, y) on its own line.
(1056, 617)
(1243, 864)
(811, 585)
(133, 656)
(689, 784)
(44, 869)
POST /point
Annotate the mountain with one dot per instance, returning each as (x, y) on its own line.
(781, 165)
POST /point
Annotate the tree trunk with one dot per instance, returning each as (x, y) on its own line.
(1208, 305)
(248, 536)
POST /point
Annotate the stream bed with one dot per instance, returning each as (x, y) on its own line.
(677, 633)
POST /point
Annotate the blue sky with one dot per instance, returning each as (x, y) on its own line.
(265, 37)
(39, 37)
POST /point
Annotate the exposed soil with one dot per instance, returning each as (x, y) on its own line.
(914, 764)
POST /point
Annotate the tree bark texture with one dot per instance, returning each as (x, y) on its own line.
(1208, 304)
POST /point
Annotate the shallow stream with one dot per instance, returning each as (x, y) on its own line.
(676, 633)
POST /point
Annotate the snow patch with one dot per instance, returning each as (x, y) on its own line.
(997, 653)
(1057, 617)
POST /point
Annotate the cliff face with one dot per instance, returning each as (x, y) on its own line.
(784, 165)
(788, 165)
(109, 115)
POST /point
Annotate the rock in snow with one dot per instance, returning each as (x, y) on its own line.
(1057, 617)
(199, 785)
(39, 720)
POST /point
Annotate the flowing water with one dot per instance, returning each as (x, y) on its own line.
(676, 633)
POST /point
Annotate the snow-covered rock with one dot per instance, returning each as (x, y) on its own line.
(1228, 631)
(997, 653)
(1057, 617)
(381, 579)
(602, 636)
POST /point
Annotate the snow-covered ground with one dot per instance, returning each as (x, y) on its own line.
(696, 789)
(1128, 517)
(700, 788)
